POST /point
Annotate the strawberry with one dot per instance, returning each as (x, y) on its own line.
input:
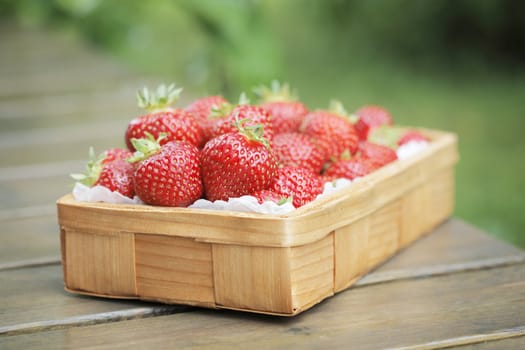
(300, 183)
(295, 149)
(412, 135)
(169, 175)
(117, 176)
(113, 154)
(378, 155)
(370, 117)
(209, 111)
(161, 118)
(331, 131)
(254, 115)
(287, 113)
(237, 163)
(267, 195)
(349, 168)
(109, 170)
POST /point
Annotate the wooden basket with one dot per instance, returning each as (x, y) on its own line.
(270, 264)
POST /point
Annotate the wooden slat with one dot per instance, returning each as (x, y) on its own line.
(311, 269)
(503, 344)
(36, 191)
(177, 269)
(351, 253)
(255, 278)
(34, 299)
(399, 314)
(29, 239)
(59, 151)
(109, 269)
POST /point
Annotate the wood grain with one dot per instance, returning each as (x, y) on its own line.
(253, 278)
(351, 253)
(29, 239)
(175, 269)
(75, 150)
(102, 264)
(398, 314)
(34, 299)
(34, 191)
(500, 344)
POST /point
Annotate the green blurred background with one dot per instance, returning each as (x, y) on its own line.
(445, 64)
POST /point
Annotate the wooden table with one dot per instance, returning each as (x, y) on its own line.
(456, 287)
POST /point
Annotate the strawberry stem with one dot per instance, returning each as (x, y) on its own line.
(251, 132)
(220, 111)
(275, 93)
(146, 147)
(160, 99)
(243, 99)
(93, 169)
(385, 135)
(285, 200)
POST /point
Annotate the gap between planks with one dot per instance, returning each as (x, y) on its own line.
(28, 263)
(88, 320)
(467, 340)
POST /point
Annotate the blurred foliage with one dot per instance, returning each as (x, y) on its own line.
(454, 65)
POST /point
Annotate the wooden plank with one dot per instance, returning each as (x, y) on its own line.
(61, 151)
(55, 110)
(34, 299)
(398, 314)
(29, 239)
(503, 344)
(35, 191)
(470, 340)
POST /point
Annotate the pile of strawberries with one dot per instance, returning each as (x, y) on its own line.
(276, 150)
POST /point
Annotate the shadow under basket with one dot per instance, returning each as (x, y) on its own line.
(272, 264)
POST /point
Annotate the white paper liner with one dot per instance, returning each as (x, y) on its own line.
(83, 193)
(410, 148)
(247, 204)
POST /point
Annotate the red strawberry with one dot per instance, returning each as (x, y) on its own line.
(175, 123)
(116, 154)
(254, 115)
(117, 176)
(287, 113)
(237, 163)
(169, 175)
(109, 170)
(349, 169)
(209, 111)
(331, 131)
(371, 117)
(412, 135)
(267, 195)
(378, 155)
(294, 149)
(300, 183)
